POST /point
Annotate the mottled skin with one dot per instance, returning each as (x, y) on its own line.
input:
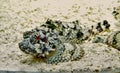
(57, 41)
(56, 44)
(114, 40)
(116, 13)
(68, 52)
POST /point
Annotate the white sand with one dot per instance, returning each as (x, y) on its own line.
(17, 16)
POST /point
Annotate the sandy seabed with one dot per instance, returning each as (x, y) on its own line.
(17, 16)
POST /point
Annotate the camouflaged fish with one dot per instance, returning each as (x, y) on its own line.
(57, 41)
